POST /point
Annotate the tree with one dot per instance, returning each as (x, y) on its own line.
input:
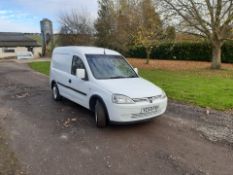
(150, 31)
(211, 19)
(171, 33)
(105, 23)
(125, 23)
(117, 23)
(127, 14)
(76, 28)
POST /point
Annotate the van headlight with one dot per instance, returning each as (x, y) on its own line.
(163, 96)
(121, 99)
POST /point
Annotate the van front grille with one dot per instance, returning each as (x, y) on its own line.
(147, 99)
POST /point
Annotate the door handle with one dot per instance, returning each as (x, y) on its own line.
(70, 81)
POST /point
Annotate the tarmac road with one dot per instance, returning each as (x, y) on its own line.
(60, 138)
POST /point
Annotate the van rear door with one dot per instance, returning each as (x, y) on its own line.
(60, 72)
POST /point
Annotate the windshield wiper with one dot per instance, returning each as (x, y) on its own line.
(133, 76)
(117, 77)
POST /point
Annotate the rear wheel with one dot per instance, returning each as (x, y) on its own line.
(56, 94)
(100, 115)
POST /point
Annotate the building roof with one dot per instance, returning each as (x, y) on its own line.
(10, 39)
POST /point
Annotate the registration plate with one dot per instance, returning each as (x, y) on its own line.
(150, 109)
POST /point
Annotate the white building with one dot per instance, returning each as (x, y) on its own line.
(12, 43)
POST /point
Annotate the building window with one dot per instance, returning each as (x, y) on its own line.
(8, 50)
(30, 49)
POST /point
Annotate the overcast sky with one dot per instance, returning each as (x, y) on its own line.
(25, 15)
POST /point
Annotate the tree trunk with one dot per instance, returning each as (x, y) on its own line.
(216, 55)
(148, 53)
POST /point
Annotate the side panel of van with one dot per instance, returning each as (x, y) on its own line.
(60, 71)
(70, 86)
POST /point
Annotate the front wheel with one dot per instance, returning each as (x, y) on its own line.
(100, 115)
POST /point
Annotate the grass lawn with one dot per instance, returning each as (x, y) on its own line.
(42, 67)
(202, 89)
(199, 86)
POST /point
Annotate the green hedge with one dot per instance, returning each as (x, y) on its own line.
(197, 51)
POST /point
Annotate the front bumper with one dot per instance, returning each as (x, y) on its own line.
(127, 113)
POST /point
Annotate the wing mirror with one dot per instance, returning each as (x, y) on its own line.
(81, 73)
(136, 70)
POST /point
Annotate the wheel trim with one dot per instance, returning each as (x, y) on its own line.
(54, 92)
(96, 117)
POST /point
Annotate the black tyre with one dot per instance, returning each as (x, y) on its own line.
(100, 115)
(56, 94)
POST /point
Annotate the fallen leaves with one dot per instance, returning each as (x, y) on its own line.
(107, 161)
(207, 111)
(22, 95)
(64, 137)
(176, 65)
(67, 123)
(74, 119)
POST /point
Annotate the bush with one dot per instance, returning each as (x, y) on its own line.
(197, 51)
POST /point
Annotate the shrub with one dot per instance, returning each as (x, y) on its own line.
(197, 51)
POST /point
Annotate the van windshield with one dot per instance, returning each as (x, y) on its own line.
(110, 67)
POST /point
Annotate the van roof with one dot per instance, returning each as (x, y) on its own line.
(85, 50)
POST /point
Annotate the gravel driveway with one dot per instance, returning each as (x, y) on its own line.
(60, 138)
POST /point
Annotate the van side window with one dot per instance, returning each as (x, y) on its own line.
(77, 63)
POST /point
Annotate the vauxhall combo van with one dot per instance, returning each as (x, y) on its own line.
(102, 81)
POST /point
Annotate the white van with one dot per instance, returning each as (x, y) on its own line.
(103, 81)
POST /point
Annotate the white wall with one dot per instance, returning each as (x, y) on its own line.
(17, 49)
(36, 51)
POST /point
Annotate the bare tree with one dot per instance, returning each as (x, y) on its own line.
(209, 18)
(76, 28)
